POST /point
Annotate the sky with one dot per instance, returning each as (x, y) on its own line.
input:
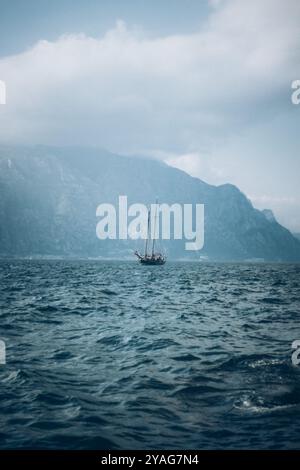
(204, 85)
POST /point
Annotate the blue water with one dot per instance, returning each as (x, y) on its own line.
(117, 355)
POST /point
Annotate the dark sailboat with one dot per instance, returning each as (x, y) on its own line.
(152, 258)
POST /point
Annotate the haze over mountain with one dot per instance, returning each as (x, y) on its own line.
(49, 196)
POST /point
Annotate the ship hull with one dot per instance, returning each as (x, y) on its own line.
(152, 262)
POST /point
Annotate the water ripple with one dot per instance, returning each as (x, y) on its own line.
(117, 355)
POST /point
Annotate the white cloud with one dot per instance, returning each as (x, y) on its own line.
(201, 166)
(129, 92)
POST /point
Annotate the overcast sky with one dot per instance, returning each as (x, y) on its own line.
(203, 85)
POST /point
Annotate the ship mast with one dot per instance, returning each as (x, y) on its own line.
(153, 241)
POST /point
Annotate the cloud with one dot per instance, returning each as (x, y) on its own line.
(179, 93)
(203, 166)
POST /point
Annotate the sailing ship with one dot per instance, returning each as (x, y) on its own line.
(152, 257)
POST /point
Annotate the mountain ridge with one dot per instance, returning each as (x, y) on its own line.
(49, 195)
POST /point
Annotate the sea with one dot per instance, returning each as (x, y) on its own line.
(117, 355)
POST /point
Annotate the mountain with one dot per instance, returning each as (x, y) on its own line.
(269, 215)
(49, 196)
